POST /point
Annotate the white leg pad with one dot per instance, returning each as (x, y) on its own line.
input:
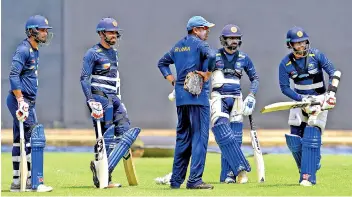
(296, 117)
(215, 107)
(318, 120)
(237, 110)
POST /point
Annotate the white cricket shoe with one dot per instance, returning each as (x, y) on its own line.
(229, 180)
(163, 180)
(44, 188)
(306, 183)
(242, 177)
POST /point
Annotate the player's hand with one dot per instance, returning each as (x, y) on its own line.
(249, 104)
(329, 101)
(205, 75)
(22, 112)
(97, 109)
(172, 95)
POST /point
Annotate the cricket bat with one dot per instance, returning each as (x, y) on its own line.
(23, 164)
(102, 163)
(129, 169)
(258, 156)
(280, 106)
(300, 104)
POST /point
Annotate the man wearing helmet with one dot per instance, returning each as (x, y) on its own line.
(101, 85)
(21, 103)
(189, 55)
(227, 108)
(305, 65)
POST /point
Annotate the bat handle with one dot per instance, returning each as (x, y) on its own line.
(315, 103)
(251, 122)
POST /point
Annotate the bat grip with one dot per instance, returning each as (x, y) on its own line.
(315, 103)
(251, 122)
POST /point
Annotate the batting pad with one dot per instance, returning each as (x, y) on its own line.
(230, 148)
(110, 140)
(122, 147)
(294, 143)
(225, 169)
(38, 144)
(237, 131)
(311, 143)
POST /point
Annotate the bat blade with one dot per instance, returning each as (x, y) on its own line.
(284, 106)
(23, 162)
(130, 169)
(257, 151)
(102, 163)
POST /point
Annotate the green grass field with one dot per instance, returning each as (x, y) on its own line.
(70, 175)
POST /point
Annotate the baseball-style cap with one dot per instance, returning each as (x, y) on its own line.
(198, 21)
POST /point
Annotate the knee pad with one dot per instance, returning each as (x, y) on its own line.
(237, 129)
(122, 147)
(296, 117)
(318, 120)
(38, 142)
(230, 149)
(294, 143)
(311, 143)
(216, 108)
(237, 110)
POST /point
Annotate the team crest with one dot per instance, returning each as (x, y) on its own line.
(46, 22)
(233, 29)
(114, 23)
(299, 33)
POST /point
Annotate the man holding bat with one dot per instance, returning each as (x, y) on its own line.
(101, 85)
(227, 107)
(21, 103)
(305, 66)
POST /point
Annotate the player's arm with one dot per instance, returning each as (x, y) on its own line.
(164, 66)
(284, 81)
(252, 75)
(18, 61)
(209, 63)
(88, 64)
(327, 66)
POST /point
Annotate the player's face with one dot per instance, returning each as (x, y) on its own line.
(202, 32)
(232, 41)
(300, 48)
(42, 34)
(112, 37)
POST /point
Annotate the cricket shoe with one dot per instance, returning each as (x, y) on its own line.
(229, 180)
(201, 186)
(165, 180)
(112, 184)
(17, 187)
(242, 177)
(43, 188)
(306, 183)
(95, 175)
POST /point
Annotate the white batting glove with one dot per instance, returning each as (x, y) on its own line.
(249, 104)
(329, 101)
(172, 95)
(22, 112)
(97, 109)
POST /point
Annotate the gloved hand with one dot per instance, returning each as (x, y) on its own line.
(172, 95)
(329, 101)
(97, 109)
(249, 104)
(22, 112)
